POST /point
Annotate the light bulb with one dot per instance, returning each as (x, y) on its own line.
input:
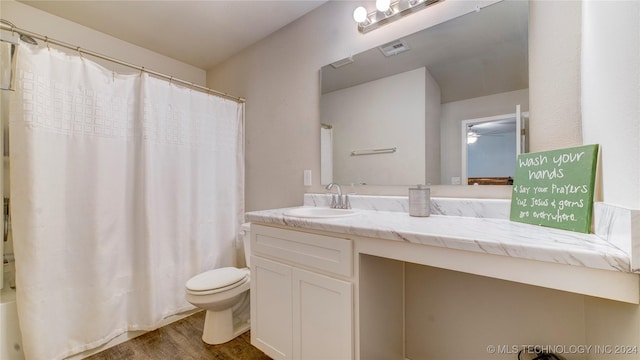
(360, 15)
(383, 5)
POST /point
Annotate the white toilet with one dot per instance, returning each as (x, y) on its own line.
(224, 294)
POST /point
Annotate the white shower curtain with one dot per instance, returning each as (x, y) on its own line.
(122, 187)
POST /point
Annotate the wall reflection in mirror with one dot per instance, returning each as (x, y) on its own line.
(414, 94)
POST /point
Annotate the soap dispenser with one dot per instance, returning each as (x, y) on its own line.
(419, 201)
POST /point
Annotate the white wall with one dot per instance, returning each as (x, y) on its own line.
(452, 315)
(279, 76)
(611, 94)
(612, 323)
(554, 74)
(455, 112)
(360, 124)
(611, 118)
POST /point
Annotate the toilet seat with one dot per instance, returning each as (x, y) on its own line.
(217, 280)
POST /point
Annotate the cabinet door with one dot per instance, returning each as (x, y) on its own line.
(271, 318)
(322, 317)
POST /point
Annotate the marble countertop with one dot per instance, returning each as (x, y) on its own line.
(484, 235)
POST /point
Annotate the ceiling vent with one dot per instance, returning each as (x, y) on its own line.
(394, 48)
(343, 62)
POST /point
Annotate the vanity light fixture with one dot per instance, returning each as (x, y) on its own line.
(386, 12)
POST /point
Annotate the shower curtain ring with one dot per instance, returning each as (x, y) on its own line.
(79, 52)
(141, 71)
(46, 41)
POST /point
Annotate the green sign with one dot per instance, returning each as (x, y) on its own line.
(555, 188)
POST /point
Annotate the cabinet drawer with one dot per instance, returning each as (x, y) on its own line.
(313, 251)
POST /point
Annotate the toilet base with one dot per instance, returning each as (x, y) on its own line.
(219, 327)
(227, 314)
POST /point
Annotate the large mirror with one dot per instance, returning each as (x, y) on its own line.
(392, 115)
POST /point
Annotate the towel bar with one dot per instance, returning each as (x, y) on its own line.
(373, 151)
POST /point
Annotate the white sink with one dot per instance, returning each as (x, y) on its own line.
(319, 212)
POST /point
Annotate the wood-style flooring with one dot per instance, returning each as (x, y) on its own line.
(181, 340)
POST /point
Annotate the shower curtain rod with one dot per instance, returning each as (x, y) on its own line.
(81, 51)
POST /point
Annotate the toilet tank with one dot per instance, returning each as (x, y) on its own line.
(245, 232)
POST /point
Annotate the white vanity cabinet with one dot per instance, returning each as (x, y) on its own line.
(301, 294)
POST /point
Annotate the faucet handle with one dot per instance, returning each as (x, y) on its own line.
(347, 203)
(334, 203)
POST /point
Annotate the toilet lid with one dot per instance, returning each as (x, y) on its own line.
(215, 279)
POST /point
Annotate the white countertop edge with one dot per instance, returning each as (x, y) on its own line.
(483, 235)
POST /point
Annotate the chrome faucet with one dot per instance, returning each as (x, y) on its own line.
(337, 202)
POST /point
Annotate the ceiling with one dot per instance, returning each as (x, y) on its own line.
(200, 33)
(495, 127)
